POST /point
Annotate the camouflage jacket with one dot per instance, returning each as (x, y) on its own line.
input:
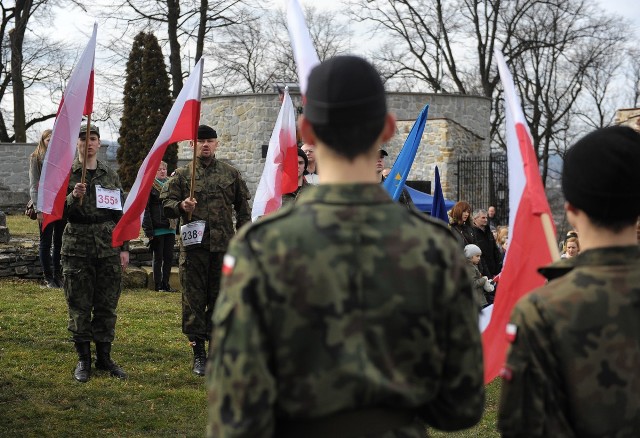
(572, 369)
(219, 189)
(344, 301)
(89, 229)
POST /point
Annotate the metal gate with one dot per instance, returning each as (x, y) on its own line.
(483, 182)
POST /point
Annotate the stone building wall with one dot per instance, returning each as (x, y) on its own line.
(457, 125)
(14, 173)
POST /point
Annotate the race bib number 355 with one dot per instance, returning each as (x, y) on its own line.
(108, 198)
(192, 233)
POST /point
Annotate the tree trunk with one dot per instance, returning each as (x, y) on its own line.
(202, 29)
(173, 15)
(16, 37)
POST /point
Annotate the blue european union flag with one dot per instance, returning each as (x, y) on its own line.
(400, 170)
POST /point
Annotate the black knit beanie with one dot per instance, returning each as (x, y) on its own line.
(601, 174)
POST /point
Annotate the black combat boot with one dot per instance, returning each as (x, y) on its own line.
(83, 368)
(104, 362)
(199, 357)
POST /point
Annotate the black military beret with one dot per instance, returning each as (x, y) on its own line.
(344, 90)
(600, 174)
(205, 132)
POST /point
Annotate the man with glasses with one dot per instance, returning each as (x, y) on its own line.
(219, 190)
(311, 174)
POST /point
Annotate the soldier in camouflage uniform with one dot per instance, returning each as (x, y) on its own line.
(219, 190)
(572, 367)
(344, 314)
(92, 269)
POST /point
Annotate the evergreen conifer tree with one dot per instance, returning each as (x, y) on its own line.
(147, 102)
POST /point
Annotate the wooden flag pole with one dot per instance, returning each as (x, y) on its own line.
(550, 235)
(84, 155)
(193, 172)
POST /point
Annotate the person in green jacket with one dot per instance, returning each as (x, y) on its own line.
(91, 267)
(219, 192)
(572, 367)
(344, 314)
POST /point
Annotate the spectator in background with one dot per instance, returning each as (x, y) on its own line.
(473, 253)
(492, 220)
(311, 174)
(563, 244)
(161, 232)
(461, 223)
(491, 263)
(380, 164)
(571, 247)
(501, 241)
(52, 234)
(288, 198)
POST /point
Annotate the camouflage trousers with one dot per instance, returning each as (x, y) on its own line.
(200, 272)
(92, 288)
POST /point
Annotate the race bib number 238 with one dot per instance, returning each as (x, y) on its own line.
(192, 233)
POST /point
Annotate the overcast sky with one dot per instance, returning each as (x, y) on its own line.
(74, 25)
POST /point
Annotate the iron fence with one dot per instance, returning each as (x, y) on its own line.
(483, 182)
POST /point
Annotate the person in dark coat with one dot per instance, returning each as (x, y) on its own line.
(491, 262)
(161, 232)
(461, 224)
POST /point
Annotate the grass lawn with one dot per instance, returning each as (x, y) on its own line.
(21, 226)
(39, 398)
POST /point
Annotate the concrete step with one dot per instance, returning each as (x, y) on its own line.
(174, 278)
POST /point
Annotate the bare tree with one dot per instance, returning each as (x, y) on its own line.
(244, 56)
(634, 69)
(553, 76)
(182, 24)
(329, 33)
(253, 55)
(553, 46)
(30, 62)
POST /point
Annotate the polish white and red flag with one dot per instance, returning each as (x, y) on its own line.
(274, 181)
(304, 53)
(181, 124)
(531, 231)
(56, 167)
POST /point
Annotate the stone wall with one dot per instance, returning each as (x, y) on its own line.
(14, 174)
(19, 258)
(457, 125)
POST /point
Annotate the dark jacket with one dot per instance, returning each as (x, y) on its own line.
(491, 260)
(464, 233)
(153, 214)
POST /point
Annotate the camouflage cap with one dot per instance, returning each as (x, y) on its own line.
(94, 128)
